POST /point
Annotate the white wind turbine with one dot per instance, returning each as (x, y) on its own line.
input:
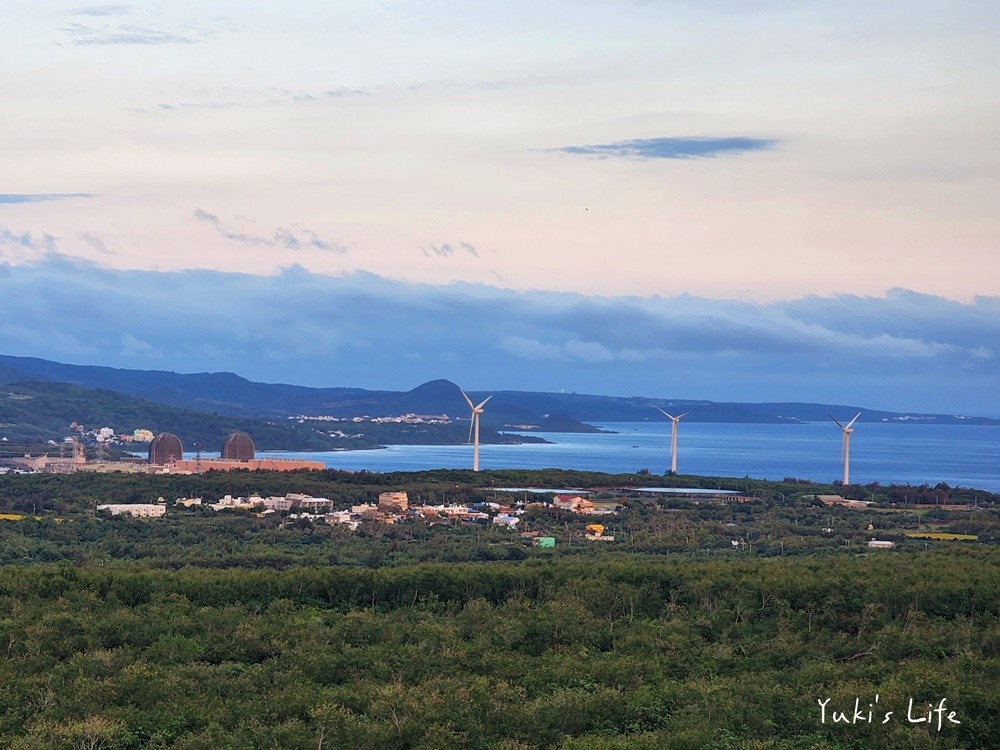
(845, 449)
(673, 436)
(474, 426)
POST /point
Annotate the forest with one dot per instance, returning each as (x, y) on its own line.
(229, 630)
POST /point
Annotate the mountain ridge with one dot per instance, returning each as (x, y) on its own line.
(233, 395)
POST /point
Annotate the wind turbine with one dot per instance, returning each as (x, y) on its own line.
(474, 426)
(846, 446)
(673, 436)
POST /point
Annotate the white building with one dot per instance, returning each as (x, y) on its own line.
(343, 517)
(879, 544)
(279, 504)
(232, 503)
(313, 504)
(139, 510)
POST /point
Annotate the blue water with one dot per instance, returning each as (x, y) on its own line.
(967, 456)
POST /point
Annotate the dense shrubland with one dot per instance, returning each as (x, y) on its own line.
(205, 630)
(547, 653)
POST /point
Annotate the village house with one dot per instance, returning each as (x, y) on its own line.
(573, 503)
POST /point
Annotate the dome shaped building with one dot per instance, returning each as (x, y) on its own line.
(238, 446)
(165, 449)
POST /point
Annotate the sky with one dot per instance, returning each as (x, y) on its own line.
(758, 200)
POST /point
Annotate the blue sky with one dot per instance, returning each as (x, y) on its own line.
(623, 197)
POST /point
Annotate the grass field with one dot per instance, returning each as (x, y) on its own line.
(941, 535)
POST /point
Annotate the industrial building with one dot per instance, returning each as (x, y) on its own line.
(165, 449)
(201, 465)
(166, 455)
(693, 494)
(238, 446)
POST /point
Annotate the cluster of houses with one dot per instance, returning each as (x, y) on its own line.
(392, 507)
(400, 419)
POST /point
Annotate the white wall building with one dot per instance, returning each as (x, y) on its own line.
(139, 510)
(879, 544)
(278, 504)
(315, 504)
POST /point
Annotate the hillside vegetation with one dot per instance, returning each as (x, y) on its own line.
(41, 411)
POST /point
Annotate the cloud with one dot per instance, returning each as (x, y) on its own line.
(27, 241)
(342, 91)
(99, 25)
(443, 250)
(299, 239)
(531, 349)
(447, 250)
(902, 350)
(270, 96)
(202, 215)
(129, 34)
(458, 85)
(7, 198)
(196, 105)
(136, 347)
(96, 242)
(671, 148)
(338, 92)
(99, 11)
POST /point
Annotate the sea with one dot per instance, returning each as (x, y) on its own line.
(959, 455)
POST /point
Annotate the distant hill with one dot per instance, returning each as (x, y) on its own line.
(223, 392)
(234, 396)
(41, 411)
(36, 412)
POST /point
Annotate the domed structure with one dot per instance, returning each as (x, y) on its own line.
(165, 448)
(238, 447)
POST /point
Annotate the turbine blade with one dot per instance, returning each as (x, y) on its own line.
(683, 415)
(483, 402)
(472, 423)
(854, 420)
(838, 423)
(664, 413)
(467, 399)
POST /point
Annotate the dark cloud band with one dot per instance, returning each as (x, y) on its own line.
(903, 350)
(8, 198)
(671, 148)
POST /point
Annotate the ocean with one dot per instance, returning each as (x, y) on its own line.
(959, 455)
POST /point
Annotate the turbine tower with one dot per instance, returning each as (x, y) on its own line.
(845, 449)
(673, 437)
(474, 426)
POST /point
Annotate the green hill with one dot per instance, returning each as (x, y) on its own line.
(36, 412)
